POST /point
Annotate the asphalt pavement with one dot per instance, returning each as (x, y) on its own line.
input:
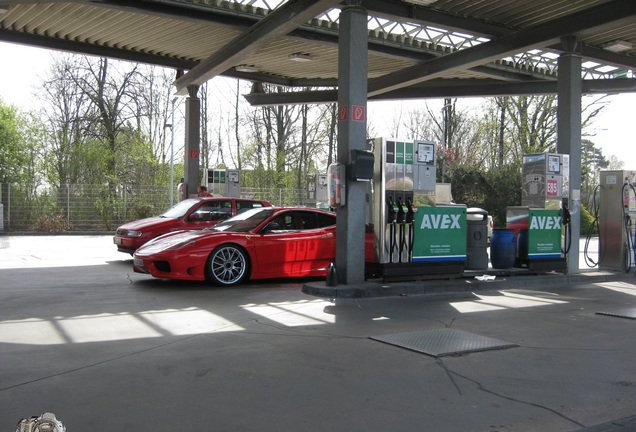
(106, 349)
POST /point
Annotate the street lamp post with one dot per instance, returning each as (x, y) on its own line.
(171, 126)
(445, 119)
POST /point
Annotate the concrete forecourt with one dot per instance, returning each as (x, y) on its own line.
(106, 349)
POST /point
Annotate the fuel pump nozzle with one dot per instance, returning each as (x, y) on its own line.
(565, 218)
(410, 220)
(401, 220)
(392, 212)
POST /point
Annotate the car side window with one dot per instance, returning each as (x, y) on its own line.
(294, 221)
(303, 221)
(212, 211)
(325, 220)
(242, 206)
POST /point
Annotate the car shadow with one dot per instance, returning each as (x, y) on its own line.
(172, 284)
(121, 263)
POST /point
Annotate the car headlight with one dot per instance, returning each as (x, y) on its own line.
(182, 245)
(133, 233)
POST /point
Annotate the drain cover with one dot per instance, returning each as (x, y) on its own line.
(443, 342)
(621, 313)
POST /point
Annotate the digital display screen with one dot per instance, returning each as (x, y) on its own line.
(554, 164)
(425, 153)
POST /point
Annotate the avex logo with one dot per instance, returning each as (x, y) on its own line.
(546, 222)
(431, 221)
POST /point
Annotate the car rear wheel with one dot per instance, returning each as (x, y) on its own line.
(227, 265)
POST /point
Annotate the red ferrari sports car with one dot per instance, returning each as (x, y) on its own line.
(189, 214)
(256, 244)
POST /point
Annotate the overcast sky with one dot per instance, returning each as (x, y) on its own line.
(23, 66)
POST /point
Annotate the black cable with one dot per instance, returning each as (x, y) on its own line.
(565, 213)
(627, 223)
(630, 235)
(595, 213)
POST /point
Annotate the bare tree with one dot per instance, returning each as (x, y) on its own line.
(65, 110)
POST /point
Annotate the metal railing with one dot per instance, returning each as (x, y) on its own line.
(102, 208)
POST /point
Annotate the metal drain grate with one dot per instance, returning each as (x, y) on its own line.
(621, 313)
(443, 342)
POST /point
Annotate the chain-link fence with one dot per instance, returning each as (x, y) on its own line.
(104, 207)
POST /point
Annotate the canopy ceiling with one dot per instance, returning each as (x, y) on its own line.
(417, 48)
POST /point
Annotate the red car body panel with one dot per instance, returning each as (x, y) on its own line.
(156, 226)
(272, 255)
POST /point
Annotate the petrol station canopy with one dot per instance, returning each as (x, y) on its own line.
(416, 48)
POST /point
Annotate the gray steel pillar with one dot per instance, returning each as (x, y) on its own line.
(352, 125)
(569, 134)
(192, 138)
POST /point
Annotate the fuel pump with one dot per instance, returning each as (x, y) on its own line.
(403, 168)
(217, 181)
(539, 223)
(412, 244)
(233, 186)
(616, 219)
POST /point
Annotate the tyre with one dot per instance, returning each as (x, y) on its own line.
(227, 265)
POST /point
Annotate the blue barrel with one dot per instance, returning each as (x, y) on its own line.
(502, 248)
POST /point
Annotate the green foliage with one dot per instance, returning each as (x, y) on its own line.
(11, 157)
(141, 211)
(468, 185)
(493, 190)
(21, 146)
(592, 162)
(105, 207)
(503, 189)
(587, 223)
(52, 223)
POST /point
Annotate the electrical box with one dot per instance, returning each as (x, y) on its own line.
(543, 180)
(360, 165)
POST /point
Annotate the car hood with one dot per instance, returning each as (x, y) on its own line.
(171, 240)
(151, 222)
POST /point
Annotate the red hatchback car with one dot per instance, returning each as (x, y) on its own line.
(189, 214)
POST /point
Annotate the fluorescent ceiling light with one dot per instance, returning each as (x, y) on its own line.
(618, 46)
(421, 2)
(300, 57)
(246, 68)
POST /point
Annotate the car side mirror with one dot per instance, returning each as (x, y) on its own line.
(193, 217)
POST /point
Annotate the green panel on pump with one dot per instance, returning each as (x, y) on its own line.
(440, 234)
(544, 233)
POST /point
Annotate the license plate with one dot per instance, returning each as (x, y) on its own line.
(117, 241)
(139, 262)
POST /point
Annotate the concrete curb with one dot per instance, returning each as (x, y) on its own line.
(375, 288)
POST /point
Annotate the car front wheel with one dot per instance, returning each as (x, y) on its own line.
(227, 265)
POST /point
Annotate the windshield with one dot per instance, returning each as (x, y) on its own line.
(244, 222)
(179, 209)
